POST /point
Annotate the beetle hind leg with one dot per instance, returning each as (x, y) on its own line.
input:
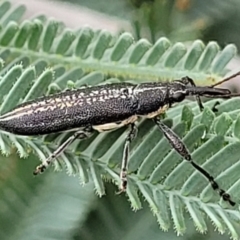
(81, 134)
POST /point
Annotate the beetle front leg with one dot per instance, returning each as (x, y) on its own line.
(180, 147)
(214, 107)
(82, 134)
(123, 174)
(187, 80)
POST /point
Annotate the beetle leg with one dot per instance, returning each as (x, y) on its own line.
(81, 134)
(187, 80)
(214, 107)
(123, 174)
(180, 147)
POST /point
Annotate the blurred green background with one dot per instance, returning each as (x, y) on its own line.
(178, 20)
(55, 206)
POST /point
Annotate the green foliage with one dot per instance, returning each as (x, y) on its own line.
(178, 20)
(36, 207)
(184, 20)
(42, 57)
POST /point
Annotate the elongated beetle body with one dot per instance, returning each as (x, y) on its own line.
(102, 107)
(108, 107)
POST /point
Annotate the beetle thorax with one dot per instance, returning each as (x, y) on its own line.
(150, 97)
(176, 92)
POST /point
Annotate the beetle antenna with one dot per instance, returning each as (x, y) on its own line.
(226, 79)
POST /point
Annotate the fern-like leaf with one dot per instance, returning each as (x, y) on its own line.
(113, 56)
(168, 183)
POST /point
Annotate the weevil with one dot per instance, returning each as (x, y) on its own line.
(108, 107)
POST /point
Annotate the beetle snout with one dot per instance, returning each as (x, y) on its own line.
(208, 91)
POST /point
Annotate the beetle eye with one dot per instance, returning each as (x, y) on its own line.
(178, 96)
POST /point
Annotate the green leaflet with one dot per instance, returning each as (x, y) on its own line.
(18, 90)
(8, 33)
(123, 42)
(65, 42)
(194, 55)
(23, 34)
